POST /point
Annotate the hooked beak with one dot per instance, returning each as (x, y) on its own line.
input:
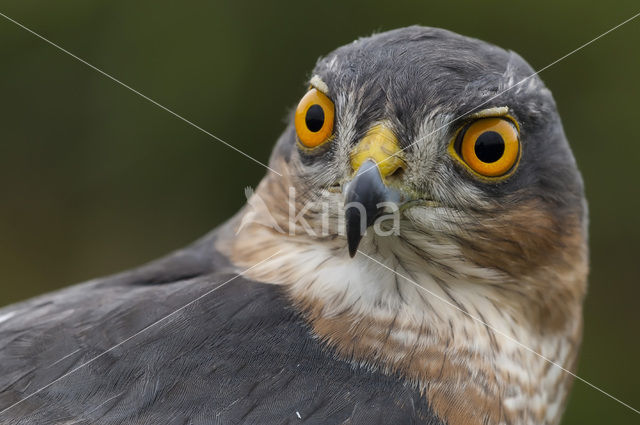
(376, 157)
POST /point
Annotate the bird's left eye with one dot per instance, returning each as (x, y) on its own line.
(314, 119)
(489, 146)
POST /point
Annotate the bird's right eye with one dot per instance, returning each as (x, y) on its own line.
(314, 119)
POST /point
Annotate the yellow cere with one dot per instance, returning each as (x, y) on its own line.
(381, 145)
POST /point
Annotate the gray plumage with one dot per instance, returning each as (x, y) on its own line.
(240, 355)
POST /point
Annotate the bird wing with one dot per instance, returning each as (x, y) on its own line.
(100, 353)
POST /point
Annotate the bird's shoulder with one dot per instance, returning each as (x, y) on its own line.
(160, 344)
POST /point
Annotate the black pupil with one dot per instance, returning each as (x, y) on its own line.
(489, 147)
(314, 118)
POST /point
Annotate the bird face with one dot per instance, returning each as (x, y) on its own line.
(453, 134)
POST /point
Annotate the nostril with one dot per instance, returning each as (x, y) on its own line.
(397, 173)
(391, 165)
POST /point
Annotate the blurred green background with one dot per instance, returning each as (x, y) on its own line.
(94, 179)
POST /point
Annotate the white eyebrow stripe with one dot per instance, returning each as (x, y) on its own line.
(498, 111)
(317, 82)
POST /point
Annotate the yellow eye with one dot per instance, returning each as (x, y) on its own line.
(314, 119)
(490, 146)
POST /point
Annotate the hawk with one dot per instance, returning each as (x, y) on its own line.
(415, 255)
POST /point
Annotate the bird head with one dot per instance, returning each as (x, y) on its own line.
(459, 139)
